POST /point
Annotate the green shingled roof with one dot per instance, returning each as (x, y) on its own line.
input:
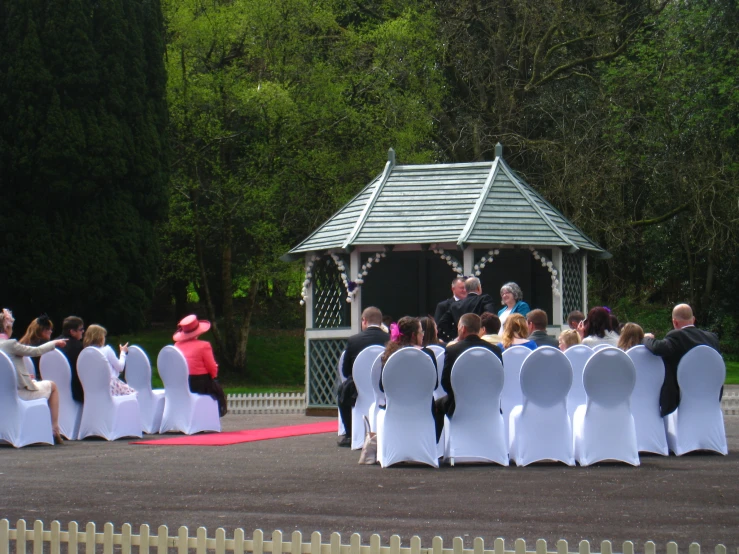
(464, 203)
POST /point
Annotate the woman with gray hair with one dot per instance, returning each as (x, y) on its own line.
(511, 297)
(28, 387)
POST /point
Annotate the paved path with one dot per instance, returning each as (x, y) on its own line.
(309, 484)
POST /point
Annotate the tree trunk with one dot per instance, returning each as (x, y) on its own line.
(240, 354)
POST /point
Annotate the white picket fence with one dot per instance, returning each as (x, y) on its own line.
(36, 540)
(730, 402)
(272, 403)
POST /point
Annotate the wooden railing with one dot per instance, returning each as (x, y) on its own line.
(273, 403)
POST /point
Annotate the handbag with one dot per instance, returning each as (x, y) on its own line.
(369, 448)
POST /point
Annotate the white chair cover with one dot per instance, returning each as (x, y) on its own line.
(599, 347)
(698, 422)
(379, 396)
(184, 411)
(604, 428)
(511, 396)
(578, 356)
(440, 354)
(22, 422)
(55, 367)
(151, 402)
(104, 415)
(540, 428)
(650, 427)
(362, 375)
(340, 379)
(405, 429)
(476, 430)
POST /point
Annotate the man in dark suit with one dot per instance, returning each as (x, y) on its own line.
(538, 320)
(468, 334)
(371, 335)
(72, 329)
(474, 303)
(684, 337)
(446, 330)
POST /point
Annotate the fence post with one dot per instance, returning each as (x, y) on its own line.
(221, 541)
(144, 539)
(56, 537)
(74, 537)
(90, 538)
(108, 538)
(4, 536)
(162, 539)
(126, 538)
(202, 542)
(38, 537)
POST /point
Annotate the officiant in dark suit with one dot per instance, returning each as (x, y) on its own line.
(447, 332)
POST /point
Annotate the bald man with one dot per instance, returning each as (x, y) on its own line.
(684, 337)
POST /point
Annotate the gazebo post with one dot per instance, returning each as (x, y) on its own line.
(309, 300)
(557, 299)
(355, 262)
(468, 260)
(584, 277)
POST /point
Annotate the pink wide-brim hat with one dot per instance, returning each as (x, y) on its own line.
(190, 327)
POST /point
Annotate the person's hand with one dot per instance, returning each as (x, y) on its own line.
(61, 343)
(123, 347)
(581, 329)
(648, 335)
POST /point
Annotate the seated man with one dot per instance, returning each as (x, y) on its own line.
(684, 337)
(468, 334)
(537, 321)
(371, 335)
(72, 329)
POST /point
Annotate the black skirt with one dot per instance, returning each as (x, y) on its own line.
(205, 384)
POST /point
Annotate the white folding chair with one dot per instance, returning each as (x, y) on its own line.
(440, 354)
(511, 396)
(54, 366)
(698, 422)
(184, 411)
(603, 429)
(650, 427)
(476, 430)
(540, 428)
(599, 347)
(151, 402)
(22, 422)
(340, 379)
(405, 428)
(104, 415)
(578, 356)
(375, 375)
(362, 375)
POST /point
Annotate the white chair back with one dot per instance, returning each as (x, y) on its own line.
(540, 429)
(55, 367)
(650, 427)
(184, 411)
(405, 429)
(476, 430)
(698, 422)
(104, 415)
(151, 402)
(604, 428)
(440, 354)
(599, 347)
(379, 396)
(362, 375)
(340, 379)
(511, 396)
(578, 356)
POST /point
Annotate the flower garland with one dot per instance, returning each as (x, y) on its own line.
(353, 286)
(450, 260)
(487, 258)
(550, 268)
(308, 276)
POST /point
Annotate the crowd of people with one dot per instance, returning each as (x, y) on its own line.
(37, 341)
(469, 319)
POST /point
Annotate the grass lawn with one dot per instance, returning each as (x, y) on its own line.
(732, 373)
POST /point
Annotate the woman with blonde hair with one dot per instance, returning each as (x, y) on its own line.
(38, 333)
(631, 335)
(95, 338)
(515, 333)
(567, 338)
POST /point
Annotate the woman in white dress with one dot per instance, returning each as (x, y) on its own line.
(95, 337)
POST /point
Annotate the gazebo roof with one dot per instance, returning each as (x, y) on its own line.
(464, 203)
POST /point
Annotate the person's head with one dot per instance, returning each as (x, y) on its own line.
(469, 324)
(574, 319)
(6, 321)
(567, 338)
(631, 335)
(73, 326)
(406, 332)
(597, 323)
(515, 328)
(458, 288)
(490, 322)
(510, 293)
(430, 335)
(473, 285)
(95, 336)
(38, 331)
(371, 316)
(615, 325)
(682, 315)
(537, 320)
(189, 328)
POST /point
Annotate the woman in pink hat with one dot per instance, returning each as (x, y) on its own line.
(201, 364)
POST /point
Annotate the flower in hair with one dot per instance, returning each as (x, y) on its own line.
(395, 333)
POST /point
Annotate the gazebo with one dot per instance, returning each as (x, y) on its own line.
(399, 243)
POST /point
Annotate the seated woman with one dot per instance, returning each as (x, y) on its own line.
(95, 338)
(38, 333)
(28, 387)
(596, 329)
(491, 324)
(201, 364)
(631, 335)
(430, 332)
(515, 333)
(567, 338)
(511, 297)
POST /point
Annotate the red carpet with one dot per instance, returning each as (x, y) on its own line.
(248, 435)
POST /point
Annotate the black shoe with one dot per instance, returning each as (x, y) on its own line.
(345, 441)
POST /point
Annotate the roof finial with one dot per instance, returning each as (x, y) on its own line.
(391, 156)
(498, 150)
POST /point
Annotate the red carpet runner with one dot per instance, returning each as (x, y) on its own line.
(248, 435)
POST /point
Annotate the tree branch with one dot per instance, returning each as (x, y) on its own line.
(659, 219)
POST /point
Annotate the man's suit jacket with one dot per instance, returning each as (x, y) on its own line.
(445, 325)
(542, 339)
(72, 351)
(360, 341)
(473, 304)
(672, 348)
(452, 353)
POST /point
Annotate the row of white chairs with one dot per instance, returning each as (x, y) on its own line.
(585, 405)
(172, 409)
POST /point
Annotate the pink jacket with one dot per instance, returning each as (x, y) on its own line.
(199, 356)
